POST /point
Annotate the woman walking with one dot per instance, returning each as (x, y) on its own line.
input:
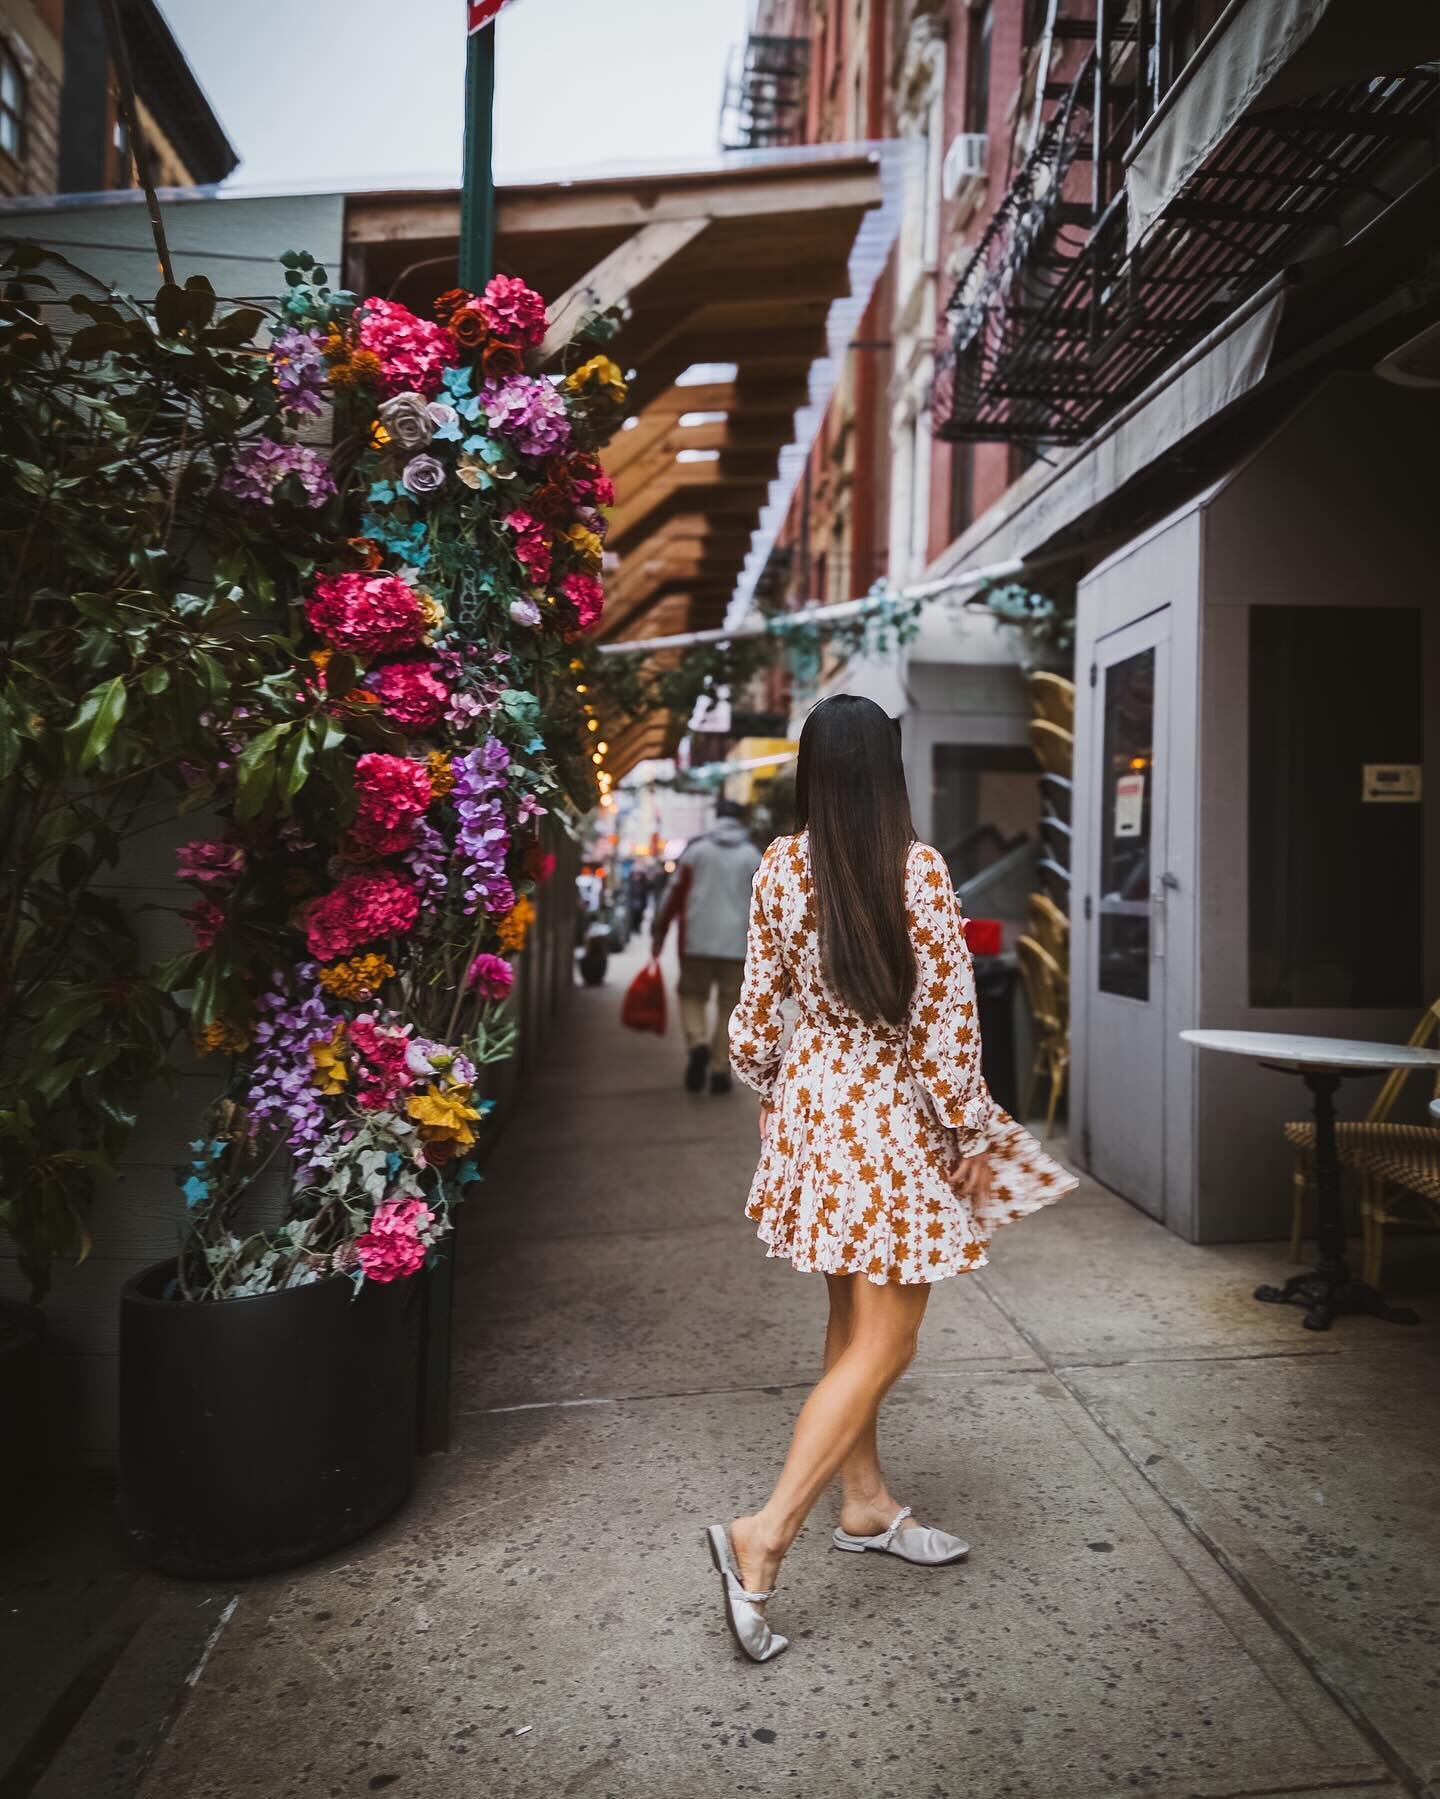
(884, 1162)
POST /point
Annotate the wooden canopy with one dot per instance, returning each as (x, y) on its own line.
(729, 275)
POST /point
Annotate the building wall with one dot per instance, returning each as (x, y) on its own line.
(30, 31)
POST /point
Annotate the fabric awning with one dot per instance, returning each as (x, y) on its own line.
(1264, 53)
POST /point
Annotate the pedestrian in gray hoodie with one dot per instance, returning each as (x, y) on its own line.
(710, 894)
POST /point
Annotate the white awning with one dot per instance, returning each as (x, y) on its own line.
(1267, 53)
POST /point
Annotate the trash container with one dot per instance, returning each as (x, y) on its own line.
(995, 978)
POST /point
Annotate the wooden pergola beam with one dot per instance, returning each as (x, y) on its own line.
(617, 276)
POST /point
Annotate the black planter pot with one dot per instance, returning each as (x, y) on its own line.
(22, 1415)
(257, 1433)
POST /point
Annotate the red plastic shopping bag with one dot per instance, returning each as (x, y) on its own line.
(644, 1006)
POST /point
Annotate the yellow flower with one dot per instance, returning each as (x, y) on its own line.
(585, 544)
(600, 378)
(379, 436)
(447, 1120)
(442, 775)
(217, 1037)
(513, 927)
(328, 1055)
(430, 610)
(359, 978)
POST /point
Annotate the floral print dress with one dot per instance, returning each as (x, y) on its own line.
(869, 1120)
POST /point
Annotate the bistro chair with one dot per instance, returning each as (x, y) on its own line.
(1402, 1168)
(1364, 1145)
(1053, 745)
(1053, 697)
(1050, 927)
(1048, 990)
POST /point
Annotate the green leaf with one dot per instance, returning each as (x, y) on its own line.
(100, 712)
(170, 310)
(295, 769)
(155, 680)
(236, 328)
(255, 772)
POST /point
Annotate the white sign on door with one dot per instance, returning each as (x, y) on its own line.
(1129, 805)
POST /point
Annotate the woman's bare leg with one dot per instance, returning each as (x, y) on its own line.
(884, 1330)
(866, 1502)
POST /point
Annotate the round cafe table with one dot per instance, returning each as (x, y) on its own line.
(1328, 1290)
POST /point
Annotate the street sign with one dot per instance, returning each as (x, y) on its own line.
(480, 13)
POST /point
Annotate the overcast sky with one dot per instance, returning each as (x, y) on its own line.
(370, 91)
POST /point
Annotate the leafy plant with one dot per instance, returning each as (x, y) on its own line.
(137, 613)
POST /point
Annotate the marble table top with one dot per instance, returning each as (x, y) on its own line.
(1292, 1050)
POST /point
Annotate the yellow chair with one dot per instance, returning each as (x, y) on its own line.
(1050, 927)
(1048, 990)
(1053, 697)
(1408, 1160)
(1372, 1140)
(1053, 745)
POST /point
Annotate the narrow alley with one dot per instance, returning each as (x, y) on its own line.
(1183, 1575)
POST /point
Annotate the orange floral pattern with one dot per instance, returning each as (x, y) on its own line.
(869, 1120)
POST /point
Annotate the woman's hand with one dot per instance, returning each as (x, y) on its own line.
(971, 1176)
(767, 1115)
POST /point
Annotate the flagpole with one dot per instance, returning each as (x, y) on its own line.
(477, 194)
(477, 256)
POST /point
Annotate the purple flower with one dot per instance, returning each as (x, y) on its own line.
(529, 413)
(422, 474)
(297, 364)
(483, 837)
(428, 859)
(282, 1093)
(525, 612)
(259, 466)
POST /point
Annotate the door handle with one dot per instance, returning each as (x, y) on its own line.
(1158, 890)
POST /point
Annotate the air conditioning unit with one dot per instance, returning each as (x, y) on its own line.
(964, 162)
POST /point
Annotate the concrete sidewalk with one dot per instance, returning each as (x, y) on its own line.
(1206, 1541)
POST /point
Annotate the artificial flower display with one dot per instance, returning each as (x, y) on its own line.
(355, 924)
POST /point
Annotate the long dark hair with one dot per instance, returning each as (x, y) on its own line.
(850, 795)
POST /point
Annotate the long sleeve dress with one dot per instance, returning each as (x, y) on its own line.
(869, 1120)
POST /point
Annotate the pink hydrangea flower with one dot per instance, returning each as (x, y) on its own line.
(587, 596)
(529, 413)
(366, 906)
(393, 792)
(206, 920)
(210, 862)
(414, 353)
(411, 693)
(384, 1073)
(259, 466)
(492, 977)
(394, 1245)
(532, 545)
(366, 613)
(513, 309)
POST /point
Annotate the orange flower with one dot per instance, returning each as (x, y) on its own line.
(359, 978)
(446, 305)
(468, 327)
(217, 1037)
(442, 775)
(501, 358)
(513, 927)
(366, 549)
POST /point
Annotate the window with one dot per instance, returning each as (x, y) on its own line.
(1127, 785)
(12, 105)
(977, 68)
(1335, 818)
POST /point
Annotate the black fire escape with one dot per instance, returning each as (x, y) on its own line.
(1054, 324)
(765, 93)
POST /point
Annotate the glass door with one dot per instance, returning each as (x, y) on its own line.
(1124, 908)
